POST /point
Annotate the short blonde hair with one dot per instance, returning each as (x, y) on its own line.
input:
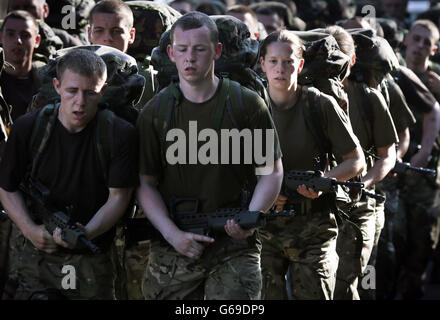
(427, 24)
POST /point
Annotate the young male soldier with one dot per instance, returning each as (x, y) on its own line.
(189, 265)
(19, 81)
(111, 24)
(69, 166)
(419, 194)
(40, 10)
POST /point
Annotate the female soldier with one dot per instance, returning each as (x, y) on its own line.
(306, 242)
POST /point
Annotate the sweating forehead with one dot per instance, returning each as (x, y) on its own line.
(200, 34)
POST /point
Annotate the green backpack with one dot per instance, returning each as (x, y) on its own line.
(151, 19)
(125, 85)
(325, 65)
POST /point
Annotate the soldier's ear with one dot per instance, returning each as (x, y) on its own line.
(46, 10)
(56, 84)
(170, 53)
(353, 60)
(301, 65)
(37, 41)
(434, 50)
(132, 35)
(218, 50)
(263, 67)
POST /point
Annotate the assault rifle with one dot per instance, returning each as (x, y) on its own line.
(203, 223)
(53, 218)
(313, 179)
(402, 167)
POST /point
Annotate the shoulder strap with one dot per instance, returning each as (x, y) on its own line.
(235, 106)
(41, 132)
(314, 120)
(166, 101)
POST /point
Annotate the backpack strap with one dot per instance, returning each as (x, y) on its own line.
(41, 133)
(313, 118)
(235, 107)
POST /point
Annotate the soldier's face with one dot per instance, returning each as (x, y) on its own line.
(395, 8)
(194, 54)
(420, 45)
(38, 8)
(19, 38)
(80, 96)
(271, 22)
(281, 66)
(111, 30)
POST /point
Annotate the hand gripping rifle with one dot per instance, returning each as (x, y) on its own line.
(202, 223)
(313, 179)
(53, 218)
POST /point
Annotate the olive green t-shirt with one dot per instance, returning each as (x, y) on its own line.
(215, 185)
(381, 132)
(400, 112)
(298, 144)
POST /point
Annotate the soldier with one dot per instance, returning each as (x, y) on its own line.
(50, 42)
(248, 16)
(416, 239)
(305, 245)
(188, 265)
(373, 125)
(111, 24)
(19, 81)
(67, 164)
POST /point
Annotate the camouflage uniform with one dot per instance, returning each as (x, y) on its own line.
(374, 127)
(226, 270)
(40, 275)
(306, 246)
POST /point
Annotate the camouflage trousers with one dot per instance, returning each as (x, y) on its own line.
(43, 276)
(228, 269)
(5, 231)
(304, 246)
(416, 236)
(352, 261)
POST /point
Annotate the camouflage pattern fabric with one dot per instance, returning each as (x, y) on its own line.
(151, 19)
(325, 64)
(82, 9)
(147, 71)
(351, 266)
(420, 207)
(307, 244)
(40, 275)
(166, 69)
(228, 269)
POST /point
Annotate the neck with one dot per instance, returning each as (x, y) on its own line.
(284, 99)
(201, 91)
(20, 70)
(417, 67)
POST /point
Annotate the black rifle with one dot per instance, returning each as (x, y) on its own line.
(53, 218)
(402, 167)
(202, 223)
(313, 179)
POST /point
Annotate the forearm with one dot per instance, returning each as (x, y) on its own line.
(379, 171)
(404, 139)
(109, 213)
(155, 209)
(14, 205)
(352, 165)
(431, 126)
(267, 189)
